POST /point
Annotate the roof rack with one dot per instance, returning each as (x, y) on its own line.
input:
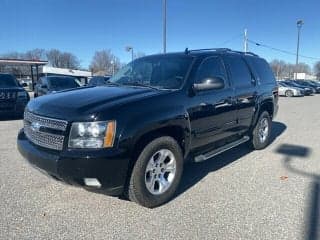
(245, 53)
(186, 51)
(206, 49)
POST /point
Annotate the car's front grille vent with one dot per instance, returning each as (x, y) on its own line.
(37, 130)
(46, 122)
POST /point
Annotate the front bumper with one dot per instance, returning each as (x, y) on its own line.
(16, 108)
(109, 166)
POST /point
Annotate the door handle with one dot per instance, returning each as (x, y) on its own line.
(224, 103)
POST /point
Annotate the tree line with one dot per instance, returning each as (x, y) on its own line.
(285, 70)
(103, 62)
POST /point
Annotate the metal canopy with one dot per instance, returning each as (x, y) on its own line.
(30, 62)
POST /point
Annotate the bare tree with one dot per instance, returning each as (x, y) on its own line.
(60, 59)
(303, 68)
(36, 54)
(283, 70)
(316, 69)
(104, 62)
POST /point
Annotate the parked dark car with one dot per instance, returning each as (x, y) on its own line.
(13, 97)
(307, 90)
(98, 81)
(52, 84)
(310, 85)
(133, 136)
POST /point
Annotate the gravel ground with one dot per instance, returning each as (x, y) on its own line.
(269, 194)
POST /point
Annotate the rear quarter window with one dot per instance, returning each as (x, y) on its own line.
(262, 69)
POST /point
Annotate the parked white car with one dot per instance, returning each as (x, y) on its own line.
(289, 91)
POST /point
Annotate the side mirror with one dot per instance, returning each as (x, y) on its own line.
(44, 86)
(211, 83)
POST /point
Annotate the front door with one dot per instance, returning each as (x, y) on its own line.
(212, 112)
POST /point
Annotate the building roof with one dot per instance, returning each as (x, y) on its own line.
(22, 61)
(66, 71)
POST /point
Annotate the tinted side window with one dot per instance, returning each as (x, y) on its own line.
(211, 67)
(263, 70)
(239, 71)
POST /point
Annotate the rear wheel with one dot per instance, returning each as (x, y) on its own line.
(261, 132)
(157, 172)
(289, 93)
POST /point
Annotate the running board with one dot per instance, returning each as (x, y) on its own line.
(215, 152)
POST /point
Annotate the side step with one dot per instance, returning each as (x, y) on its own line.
(222, 149)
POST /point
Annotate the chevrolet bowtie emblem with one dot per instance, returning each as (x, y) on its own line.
(35, 126)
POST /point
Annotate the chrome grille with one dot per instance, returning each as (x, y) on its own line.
(46, 122)
(36, 130)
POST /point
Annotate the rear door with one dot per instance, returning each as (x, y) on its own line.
(245, 89)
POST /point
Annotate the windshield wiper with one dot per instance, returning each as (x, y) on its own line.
(140, 85)
(112, 83)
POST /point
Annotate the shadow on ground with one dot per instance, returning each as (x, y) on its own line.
(194, 172)
(295, 152)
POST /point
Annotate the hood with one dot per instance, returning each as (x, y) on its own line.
(87, 101)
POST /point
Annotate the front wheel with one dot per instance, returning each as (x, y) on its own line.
(261, 132)
(289, 93)
(157, 172)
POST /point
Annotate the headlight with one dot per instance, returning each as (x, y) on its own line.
(22, 95)
(92, 134)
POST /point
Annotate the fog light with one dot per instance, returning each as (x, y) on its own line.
(92, 182)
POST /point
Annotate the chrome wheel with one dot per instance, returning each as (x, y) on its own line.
(263, 130)
(160, 172)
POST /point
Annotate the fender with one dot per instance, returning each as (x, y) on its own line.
(264, 99)
(155, 119)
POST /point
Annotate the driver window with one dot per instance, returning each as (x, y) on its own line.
(211, 67)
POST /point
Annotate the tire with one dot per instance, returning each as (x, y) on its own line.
(257, 141)
(140, 177)
(289, 93)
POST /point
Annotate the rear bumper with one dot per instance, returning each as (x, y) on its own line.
(109, 167)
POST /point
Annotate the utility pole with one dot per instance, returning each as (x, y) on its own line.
(245, 43)
(299, 25)
(130, 49)
(164, 13)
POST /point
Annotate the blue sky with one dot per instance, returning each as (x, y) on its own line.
(83, 26)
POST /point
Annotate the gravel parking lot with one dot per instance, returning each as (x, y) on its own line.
(269, 194)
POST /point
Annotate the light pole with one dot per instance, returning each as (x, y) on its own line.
(130, 49)
(245, 40)
(112, 63)
(164, 12)
(299, 25)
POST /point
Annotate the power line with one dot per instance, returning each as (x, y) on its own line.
(281, 50)
(231, 39)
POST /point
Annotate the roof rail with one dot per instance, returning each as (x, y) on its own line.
(186, 51)
(245, 53)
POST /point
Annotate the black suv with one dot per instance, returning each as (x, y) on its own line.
(133, 136)
(13, 97)
(52, 84)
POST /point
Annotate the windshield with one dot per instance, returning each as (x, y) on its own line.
(62, 83)
(162, 72)
(7, 80)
